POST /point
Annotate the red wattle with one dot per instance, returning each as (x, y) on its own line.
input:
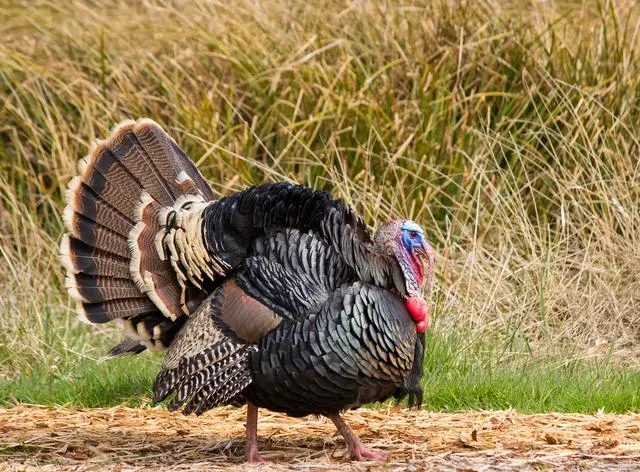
(422, 326)
(419, 310)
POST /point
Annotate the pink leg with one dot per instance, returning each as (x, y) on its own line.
(251, 453)
(354, 447)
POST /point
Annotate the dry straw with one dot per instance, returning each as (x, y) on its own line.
(119, 439)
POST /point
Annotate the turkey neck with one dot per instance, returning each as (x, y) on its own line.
(230, 225)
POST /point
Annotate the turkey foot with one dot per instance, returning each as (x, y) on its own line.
(355, 449)
(251, 453)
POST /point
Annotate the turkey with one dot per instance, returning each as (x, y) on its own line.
(276, 296)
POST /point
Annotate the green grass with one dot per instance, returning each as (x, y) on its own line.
(453, 381)
(85, 383)
(581, 389)
(509, 130)
(480, 379)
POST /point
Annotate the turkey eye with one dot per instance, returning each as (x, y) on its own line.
(413, 234)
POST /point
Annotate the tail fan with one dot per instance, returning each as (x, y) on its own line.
(115, 270)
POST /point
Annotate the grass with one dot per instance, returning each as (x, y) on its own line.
(85, 384)
(449, 384)
(509, 132)
(475, 379)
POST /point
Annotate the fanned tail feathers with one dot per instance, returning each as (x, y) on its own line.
(114, 207)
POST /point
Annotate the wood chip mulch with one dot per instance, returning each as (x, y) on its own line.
(129, 439)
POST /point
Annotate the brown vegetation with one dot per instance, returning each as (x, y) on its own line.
(509, 132)
(120, 439)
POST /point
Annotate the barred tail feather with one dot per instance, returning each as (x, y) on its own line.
(128, 346)
(210, 378)
(114, 271)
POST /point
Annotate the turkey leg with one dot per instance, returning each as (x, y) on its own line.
(354, 447)
(251, 453)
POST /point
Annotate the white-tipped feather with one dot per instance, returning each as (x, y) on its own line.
(82, 166)
(150, 290)
(65, 255)
(90, 158)
(117, 132)
(158, 244)
(72, 288)
(136, 255)
(134, 265)
(129, 329)
(163, 216)
(144, 281)
(143, 333)
(140, 333)
(70, 197)
(75, 294)
(145, 199)
(187, 201)
(182, 177)
(82, 314)
(134, 234)
(68, 216)
(148, 122)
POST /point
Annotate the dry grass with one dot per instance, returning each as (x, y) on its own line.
(509, 132)
(37, 438)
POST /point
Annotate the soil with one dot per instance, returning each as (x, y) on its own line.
(123, 439)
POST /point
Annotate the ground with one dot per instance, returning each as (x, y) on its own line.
(120, 438)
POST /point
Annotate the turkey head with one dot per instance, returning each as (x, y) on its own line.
(405, 241)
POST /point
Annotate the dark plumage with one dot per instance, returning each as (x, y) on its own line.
(276, 295)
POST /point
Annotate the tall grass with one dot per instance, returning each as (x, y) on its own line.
(508, 129)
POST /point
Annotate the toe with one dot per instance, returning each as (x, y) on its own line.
(364, 454)
(253, 457)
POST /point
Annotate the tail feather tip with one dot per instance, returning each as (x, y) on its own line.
(65, 254)
(73, 290)
(82, 314)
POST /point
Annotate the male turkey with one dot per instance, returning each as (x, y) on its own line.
(275, 296)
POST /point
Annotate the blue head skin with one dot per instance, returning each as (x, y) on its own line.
(405, 240)
(412, 237)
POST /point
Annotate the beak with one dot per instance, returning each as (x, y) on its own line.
(425, 250)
